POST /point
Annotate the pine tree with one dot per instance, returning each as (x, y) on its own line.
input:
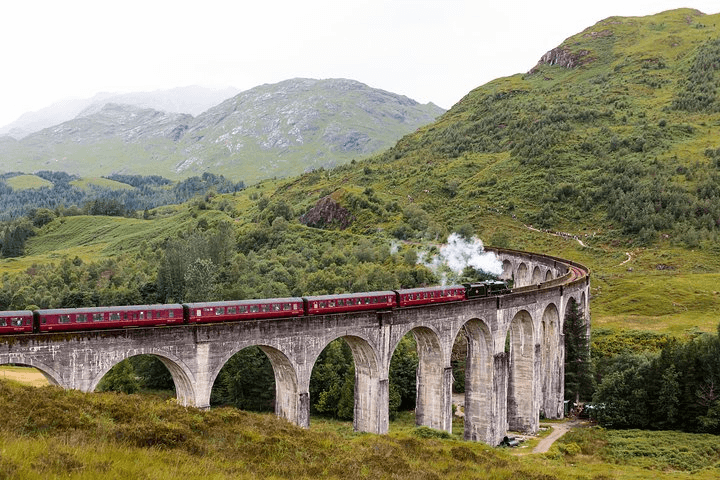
(578, 368)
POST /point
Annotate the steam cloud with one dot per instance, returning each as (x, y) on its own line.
(459, 253)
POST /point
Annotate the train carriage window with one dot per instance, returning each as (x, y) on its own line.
(81, 318)
(171, 314)
(219, 310)
(287, 306)
(276, 307)
(265, 308)
(243, 309)
(254, 308)
(3, 322)
(16, 322)
(64, 319)
(198, 313)
(232, 310)
(116, 316)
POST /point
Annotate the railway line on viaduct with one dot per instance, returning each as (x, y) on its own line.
(514, 363)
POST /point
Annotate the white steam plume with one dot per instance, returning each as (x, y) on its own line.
(459, 253)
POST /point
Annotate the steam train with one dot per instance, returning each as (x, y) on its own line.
(71, 319)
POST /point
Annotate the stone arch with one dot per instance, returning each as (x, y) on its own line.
(479, 411)
(184, 384)
(53, 377)
(286, 386)
(286, 383)
(548, 275)
(370, 413)
(549, 363)
(507, 272)
(432, 403)
(536, 275)
(520, 398)
(521, 275)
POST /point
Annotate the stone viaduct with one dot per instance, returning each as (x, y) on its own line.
(514, 361)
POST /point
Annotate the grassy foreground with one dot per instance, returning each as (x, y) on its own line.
(48, 432)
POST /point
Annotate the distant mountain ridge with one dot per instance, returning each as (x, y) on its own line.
(270, 130)
(191, 100)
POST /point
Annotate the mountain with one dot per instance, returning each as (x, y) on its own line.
(271, 130)
(300, 124)
(192, 100)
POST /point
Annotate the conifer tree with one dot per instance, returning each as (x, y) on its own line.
(578, 368)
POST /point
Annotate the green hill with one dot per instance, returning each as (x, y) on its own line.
(25, 182)
(601, 141)
(605, 153)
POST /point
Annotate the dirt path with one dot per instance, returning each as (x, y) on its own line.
(629, 258)
(559, 429)
(569, 236)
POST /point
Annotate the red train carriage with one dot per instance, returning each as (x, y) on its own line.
(423, 296)
(63, 319)
(349, 302)
(17, 321)
(205, 312)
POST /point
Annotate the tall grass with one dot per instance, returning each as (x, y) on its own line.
(52, 433)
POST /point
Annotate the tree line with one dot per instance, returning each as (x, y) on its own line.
(65, 198)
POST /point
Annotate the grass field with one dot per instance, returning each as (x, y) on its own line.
(50, 433)
(25, 375)
(24, 182)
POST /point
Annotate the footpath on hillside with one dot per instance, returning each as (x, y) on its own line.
(559, 429)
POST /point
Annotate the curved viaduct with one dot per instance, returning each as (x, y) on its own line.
(514, 361)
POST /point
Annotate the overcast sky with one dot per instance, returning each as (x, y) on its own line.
(428, 50)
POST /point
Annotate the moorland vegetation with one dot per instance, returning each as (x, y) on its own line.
(613, 163)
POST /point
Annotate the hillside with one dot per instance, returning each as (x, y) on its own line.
(605, 153)
(581, 147)
(610, 133)
(50, 433)
(271, 130)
